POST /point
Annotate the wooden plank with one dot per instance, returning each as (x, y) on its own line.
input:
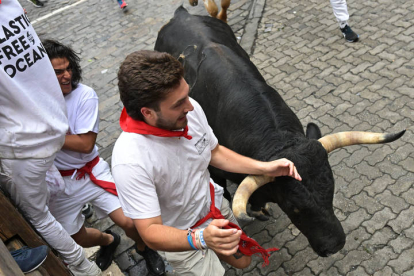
(38, 272)
(8, 265)
(13, 224)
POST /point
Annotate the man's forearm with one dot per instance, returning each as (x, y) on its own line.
(228, 160)
(83, 143)
(164, 238)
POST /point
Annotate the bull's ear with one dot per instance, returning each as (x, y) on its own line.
(313, 131)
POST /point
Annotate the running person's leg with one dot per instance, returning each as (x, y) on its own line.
(24, 179)
(340, 10)
(122, 4)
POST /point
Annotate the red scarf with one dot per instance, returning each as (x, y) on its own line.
(130, 125)
(87, 169)
(247, 246)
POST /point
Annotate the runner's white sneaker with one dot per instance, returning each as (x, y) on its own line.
(86, 268)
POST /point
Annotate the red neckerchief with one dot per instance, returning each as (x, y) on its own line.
(247, 245)
(87, 169)
(130, 125)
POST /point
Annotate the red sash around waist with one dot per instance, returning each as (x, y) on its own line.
(87, 169)
(247, 246)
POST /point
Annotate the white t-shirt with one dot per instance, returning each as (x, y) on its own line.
(167, 176)
(83, 115)
(32, 110)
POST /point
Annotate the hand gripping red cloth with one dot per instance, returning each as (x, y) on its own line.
(247, 246)
(87, 169)
(130, 125)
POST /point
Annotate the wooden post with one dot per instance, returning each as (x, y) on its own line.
(8, 265)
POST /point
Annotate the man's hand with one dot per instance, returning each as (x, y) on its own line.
(282, 167)
(222, 241)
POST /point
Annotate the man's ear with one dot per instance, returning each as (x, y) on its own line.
(148, 113)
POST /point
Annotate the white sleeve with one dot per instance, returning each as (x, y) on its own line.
(136, 191)
(213, 141)
(87, 117)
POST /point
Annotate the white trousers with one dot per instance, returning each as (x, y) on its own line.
(340, 11)
(194, 263)
(66, 206)
(24, 180)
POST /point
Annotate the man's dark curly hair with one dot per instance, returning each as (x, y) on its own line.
(56, 49)
(145, 78)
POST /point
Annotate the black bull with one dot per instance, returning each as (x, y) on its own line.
(251, 118)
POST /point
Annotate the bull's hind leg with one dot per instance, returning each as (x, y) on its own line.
(223, 13)
(211, 7)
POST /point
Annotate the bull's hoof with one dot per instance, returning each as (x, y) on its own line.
(260, 215)
(193, 2)
(263, 218)
(267, 210)
(244, 219)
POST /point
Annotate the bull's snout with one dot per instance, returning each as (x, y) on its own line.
(328, 242)
(326, 252)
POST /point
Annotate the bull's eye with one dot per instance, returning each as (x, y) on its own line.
(296, 210)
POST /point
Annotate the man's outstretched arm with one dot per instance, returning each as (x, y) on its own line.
(228, 160)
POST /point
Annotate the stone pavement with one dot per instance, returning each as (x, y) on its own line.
(299, 49)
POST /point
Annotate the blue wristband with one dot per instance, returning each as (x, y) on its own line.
(189, 238)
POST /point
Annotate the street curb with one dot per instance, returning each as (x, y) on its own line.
(250, 29)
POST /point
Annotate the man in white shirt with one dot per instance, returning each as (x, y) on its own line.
(33, 124)
(87, 177)
(160, 163)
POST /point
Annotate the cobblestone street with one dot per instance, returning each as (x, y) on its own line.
(340, 86)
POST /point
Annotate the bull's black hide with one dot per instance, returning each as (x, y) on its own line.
(251, 118)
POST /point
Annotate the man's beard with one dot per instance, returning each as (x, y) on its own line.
(164, 124)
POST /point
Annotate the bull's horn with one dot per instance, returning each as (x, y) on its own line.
(244, 191)
(349, 138)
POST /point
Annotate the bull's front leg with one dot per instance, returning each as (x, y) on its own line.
(223, 13)
(260, 212)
